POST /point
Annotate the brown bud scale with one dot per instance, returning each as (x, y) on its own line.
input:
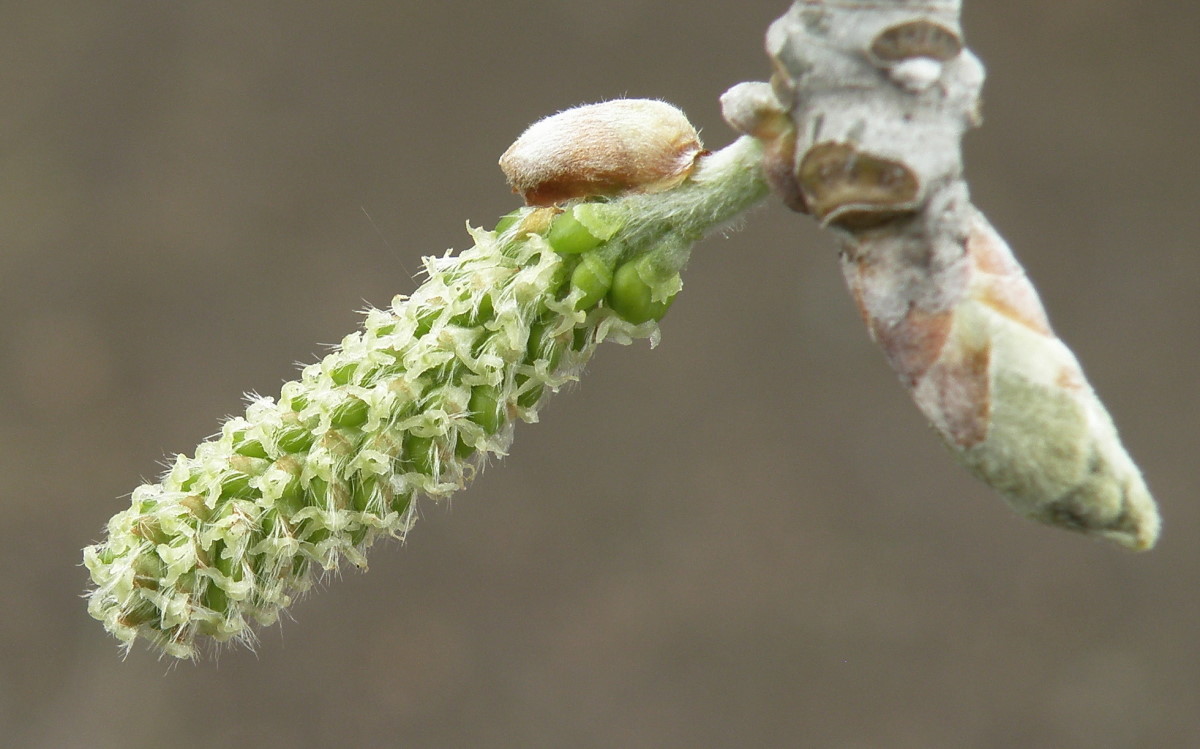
(605, 149)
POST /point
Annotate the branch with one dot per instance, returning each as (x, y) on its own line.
(862, 123)
(860, 128)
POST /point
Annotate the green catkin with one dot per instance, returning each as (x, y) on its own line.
(407, 407)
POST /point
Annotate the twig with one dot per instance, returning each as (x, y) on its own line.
(863, 120)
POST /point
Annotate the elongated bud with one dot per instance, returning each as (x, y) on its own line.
(1005, 394)
(609, 148)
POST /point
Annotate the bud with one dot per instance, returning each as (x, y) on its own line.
(625, 145)
(971, 341)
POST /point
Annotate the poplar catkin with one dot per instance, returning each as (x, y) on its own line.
(405, 408)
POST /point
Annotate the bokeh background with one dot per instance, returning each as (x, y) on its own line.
(744, 538)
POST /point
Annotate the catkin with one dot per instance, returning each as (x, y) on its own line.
(407, 407)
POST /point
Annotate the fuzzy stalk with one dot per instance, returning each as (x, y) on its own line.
(407, 407)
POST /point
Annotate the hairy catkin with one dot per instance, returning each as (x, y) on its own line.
(405, 407)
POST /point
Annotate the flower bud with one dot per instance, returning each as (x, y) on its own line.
(602, 149)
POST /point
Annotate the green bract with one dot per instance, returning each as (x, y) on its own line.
(406, 407)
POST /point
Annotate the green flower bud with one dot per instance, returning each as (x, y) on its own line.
(592, 277)
(486, 408)
(570, 237)
(294, 439)
(632, 298)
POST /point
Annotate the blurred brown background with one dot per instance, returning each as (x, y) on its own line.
(745, 538)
